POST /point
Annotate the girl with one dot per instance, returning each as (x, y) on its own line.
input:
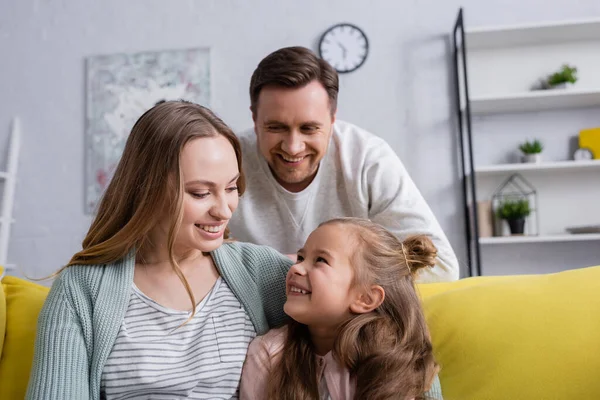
(155, 305)
(358, 331)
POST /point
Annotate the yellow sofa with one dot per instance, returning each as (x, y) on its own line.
(20, 304)
(531, 337)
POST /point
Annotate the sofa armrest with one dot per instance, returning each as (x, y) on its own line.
(22, 302)
(2, 312)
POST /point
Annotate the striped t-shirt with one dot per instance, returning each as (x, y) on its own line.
(154, 358)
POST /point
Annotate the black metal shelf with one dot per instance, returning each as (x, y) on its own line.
(466, 146)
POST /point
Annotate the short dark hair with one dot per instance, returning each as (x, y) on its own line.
(293, 67)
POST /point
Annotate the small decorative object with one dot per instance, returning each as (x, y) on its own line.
(583, 154)
(515, 201)
(485, 218)
(345, 47)
(561, 79)
(584, 229)
(590, 139)
(515, 212)
(532, 151)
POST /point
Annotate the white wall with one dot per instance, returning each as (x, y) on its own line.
(402, 93)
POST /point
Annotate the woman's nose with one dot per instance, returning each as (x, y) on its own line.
(221, 208)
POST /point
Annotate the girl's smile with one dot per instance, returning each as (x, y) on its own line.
(296, 289)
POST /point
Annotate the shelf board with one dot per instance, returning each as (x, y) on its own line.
(539, 100)
(540, 239)
(543, 166)
(532, 34)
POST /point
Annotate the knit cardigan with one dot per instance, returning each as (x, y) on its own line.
(85, 308)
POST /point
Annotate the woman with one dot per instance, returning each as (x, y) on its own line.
(156, 304)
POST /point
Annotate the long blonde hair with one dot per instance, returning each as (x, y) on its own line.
(388, 351)
(148, 181)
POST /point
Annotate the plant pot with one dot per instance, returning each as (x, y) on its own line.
(532, 158)
(517, 226)
(564, 85)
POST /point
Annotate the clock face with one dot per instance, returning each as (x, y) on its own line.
(583, 154)
(345, 47)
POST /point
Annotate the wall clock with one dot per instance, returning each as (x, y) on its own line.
(583, 153)
(345, 47)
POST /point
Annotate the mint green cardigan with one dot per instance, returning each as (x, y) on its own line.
(80, 319)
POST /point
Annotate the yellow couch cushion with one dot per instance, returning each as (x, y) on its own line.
(24, 301)
(510, 337)
(430, 289)
(517, 337)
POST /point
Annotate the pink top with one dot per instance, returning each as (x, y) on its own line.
(262, 354)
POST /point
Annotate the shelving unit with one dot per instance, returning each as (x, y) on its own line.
(544, 166)
(542, 100)
(9, 178)
(582, 237)
(495, 68)
(532, 34)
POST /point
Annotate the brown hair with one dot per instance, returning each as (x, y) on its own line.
(389, 350)
(148, 180)
(293, 67)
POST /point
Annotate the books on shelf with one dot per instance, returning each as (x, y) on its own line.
(584, 229)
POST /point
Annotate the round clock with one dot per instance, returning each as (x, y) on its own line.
(583, 153)
(345, 47)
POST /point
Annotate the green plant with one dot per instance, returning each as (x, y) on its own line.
(514, 209)
(533, 147)
(566, 74)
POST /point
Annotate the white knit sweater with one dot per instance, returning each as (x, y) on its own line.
(360, 176)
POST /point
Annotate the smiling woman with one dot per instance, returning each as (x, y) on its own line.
(210, 192)
(117, 323)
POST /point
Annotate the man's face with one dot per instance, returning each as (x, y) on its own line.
(293, 128)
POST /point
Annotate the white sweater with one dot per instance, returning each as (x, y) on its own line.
(360, 176)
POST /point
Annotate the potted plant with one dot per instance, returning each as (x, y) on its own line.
(515, 212)
(562, 78)
(532, 151)
(566, 76)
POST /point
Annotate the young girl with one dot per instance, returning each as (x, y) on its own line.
(358, 331)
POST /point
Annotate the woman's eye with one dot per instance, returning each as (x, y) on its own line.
(199, 195)
(232, 189)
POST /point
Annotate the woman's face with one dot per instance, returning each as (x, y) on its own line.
(210, 195)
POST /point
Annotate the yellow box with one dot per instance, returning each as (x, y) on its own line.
(590, 139)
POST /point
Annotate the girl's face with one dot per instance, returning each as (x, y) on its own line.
(320, 284)
(210, 195)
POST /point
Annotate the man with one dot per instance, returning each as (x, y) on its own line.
(303, 167)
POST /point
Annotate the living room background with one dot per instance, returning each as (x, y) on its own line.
(402, 93)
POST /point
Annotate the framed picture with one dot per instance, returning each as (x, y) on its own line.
(119, 89)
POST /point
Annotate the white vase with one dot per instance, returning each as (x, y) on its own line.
(532, 158)
(564, 85)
